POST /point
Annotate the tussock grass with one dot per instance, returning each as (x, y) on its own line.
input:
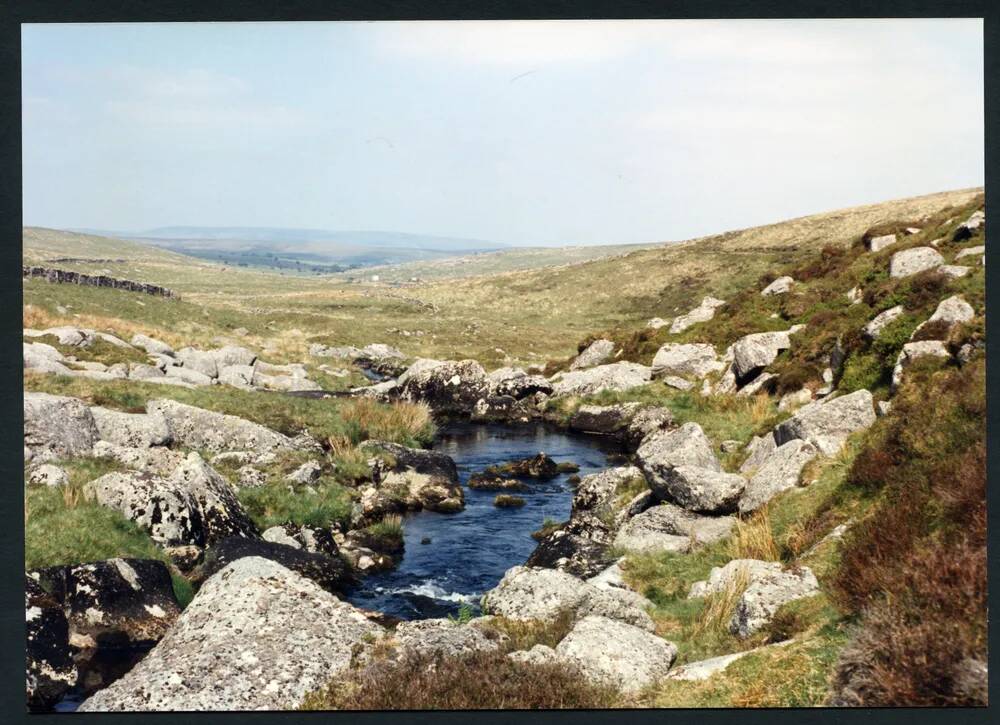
(717, 611)
(277, 503)
(389, 526)
(753, 538)
(525, 634)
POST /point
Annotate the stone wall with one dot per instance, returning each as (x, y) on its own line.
(63, 276)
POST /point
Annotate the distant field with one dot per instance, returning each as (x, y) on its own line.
(519, 316)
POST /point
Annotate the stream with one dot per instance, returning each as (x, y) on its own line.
(469, 551)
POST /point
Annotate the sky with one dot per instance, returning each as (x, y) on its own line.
(525, 133)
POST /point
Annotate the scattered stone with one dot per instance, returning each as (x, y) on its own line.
(597, 353)
(679, 383)
(967, 228)
(48, 475)
(877, 244)
(721, 577)
(657, 322)
(152, 345)
(697, 359)
(779, 472)
(756, 351)
(758, 450)
(256, 637)
(874, 328)
(827, 423)
(702, 313)
(308, 472)
(598, 492)
(238, 376)
(913, 261)
(763, 381)
(795, 399)
(278, 535)
(971, 252)
(914, 351)
(615, 377)
(779, 286)
(954, 271)
(854, 295)
(617, 654)
(537, 655)
(766, 594)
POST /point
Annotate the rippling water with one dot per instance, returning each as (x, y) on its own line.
(470, 550)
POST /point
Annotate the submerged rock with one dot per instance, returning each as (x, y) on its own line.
(257, 636)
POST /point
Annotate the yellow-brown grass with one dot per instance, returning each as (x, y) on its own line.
(753, 538)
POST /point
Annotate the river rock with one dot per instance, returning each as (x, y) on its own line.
(425, 479)
(766, 594)
(779, 286)
(614, 653)
(666, 527)
(702, 313)
(827, 423)
(257, 636)
(694, 359)
(441, 638)
(501, 409)
(49, 667)
(56, 426)
(114, 603)
(215, 432)
(131, 430)
(329, 572)
(448, 387)
(913, 261)
(779, 472)
(544, 594)
(597, 353)
(582, 554)
(615, 377)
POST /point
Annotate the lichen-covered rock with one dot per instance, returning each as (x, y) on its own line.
(202, 361)
(795, 399)
(970, 226)
(877, 244)
(516, 383)
(616, 376)
(695, 359)
(188, 375)
(49, 667)
(664, 450)
(545, 594)
(47, 475)
(953, 310)
(598, 492)
(423, 479)
(766, 594)
(827, 423)
(779, 472)
(721, 577)
(758, 449)
(215, 432)
(702, 313)
(330, 572)
(157, 460)
(914, 351)
(667, 527)
(753, 352)
(702, 489)
(540, 654)
(441, 638)
(114, 603)
(448, 387)
(152, 345)
(257, 636)
(308, 472)
(779, 286)
(56, 426)
(971, 252)
(283, 383)
(614, 653)
(597, 353)
(221, 512)
(501, 409)
(250, 477)
(604, 419)
(232, 355)
(238, 376)
(131, 430)
(913, 261)
(580, 553)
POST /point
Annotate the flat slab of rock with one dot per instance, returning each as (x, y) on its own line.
(158, 460)
(441, 637)
(215, 432)
(694, 359)
(779, 472)
(667, 527)
(617, 654)
(616, 377)
(257, 636)
(826, 424)
(57, 426)
(913, 261)
(131, 430)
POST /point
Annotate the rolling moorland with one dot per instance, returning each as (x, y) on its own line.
(785, 525)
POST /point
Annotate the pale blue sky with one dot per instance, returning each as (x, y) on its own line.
(547, 132)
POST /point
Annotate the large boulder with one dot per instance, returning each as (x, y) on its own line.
(202, 361)
(441, 638)
(630, 422)
(215, 432)
(615, 377)
(913, 261)
(614, 653)
(598, 492)
(702, 313)
(827, 423)
(546, 594)
(695, 359)
(753, 352)
(779, 472)
(114, 603)
(667, 527)
(969, 227)
(232, 355)
(56, 426)
(597, 353)
(877, 244)
(330, 572)
(423, 479)
(766, 594)
(580, 548)
(257, 636)
(49, 667)
(702, 489)
(758, 450)
(516, 383)
(685, 446)
(157, 460)
(952, 311)
(131, 430)
(449, 387)
(721, 578)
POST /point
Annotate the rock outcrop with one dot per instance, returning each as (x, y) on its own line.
(666, 527)
(56, 426)
(695, 359)
(827, 423)
(449, 388)
(216, 432)
(415, 478)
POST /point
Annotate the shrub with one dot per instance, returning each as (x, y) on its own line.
(479, 681)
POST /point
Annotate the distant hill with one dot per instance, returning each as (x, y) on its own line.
(318, 249)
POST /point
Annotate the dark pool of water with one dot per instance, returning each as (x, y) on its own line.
(470, 550)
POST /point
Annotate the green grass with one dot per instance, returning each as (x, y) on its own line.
(273, 504)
